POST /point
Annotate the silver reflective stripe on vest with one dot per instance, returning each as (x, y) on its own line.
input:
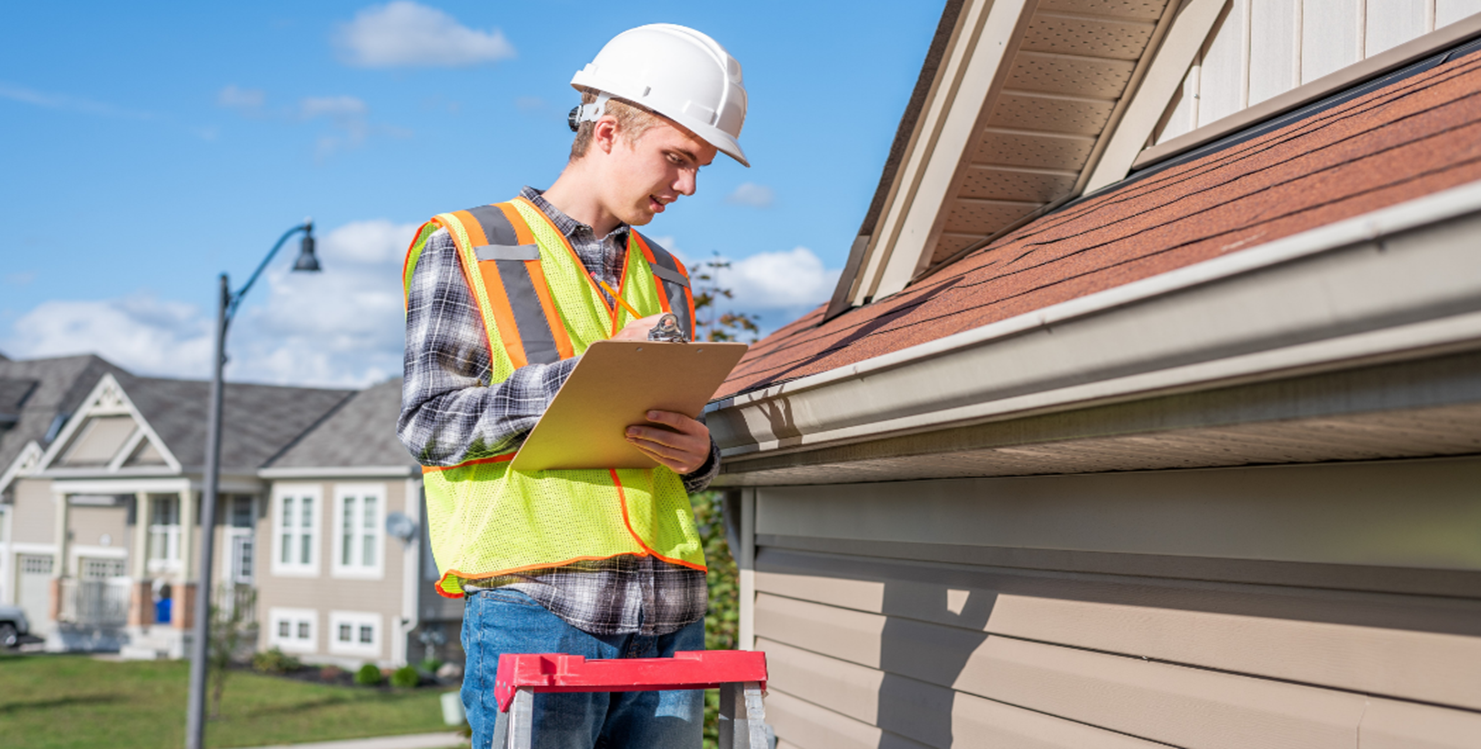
(675, 285)
(671, 275)
(508, 252)
(509, 256)
(534, 329)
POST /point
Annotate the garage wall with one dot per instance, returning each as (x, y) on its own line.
(1300, 606)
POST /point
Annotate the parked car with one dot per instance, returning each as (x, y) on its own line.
(13, 625)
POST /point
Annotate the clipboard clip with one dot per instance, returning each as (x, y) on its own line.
(668, 329)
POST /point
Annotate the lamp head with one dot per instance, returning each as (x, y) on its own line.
(307, 261)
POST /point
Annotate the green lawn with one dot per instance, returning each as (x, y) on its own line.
(58, 701)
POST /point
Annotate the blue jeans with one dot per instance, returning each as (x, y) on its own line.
(507, 621)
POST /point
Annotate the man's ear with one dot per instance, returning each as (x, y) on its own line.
(604, 133)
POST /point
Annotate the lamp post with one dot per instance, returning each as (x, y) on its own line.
(195, 722)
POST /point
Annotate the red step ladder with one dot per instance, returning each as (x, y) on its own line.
(740, 675)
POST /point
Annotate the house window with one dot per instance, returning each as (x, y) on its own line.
(164, 533)
(296, 530)
(293, 629)
(356, 633)
(359, 530)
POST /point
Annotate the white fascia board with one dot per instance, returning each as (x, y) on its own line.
(948, 121)
(1010, 368)
(28, 458)
(1190, 29)
(121, 485)
(331, 472)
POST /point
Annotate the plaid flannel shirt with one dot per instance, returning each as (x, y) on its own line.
(448, 417)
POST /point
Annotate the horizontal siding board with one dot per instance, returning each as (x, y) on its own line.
(1434, 667)
(1403, 725)
(808, 726)
(839, 692)
(984, 724)
(1158, 701)
(1350, 514)
(1181, 706)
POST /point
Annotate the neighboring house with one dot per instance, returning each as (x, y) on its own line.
(1147, 411)
(36, 398)
(102, 491)
(333, 584)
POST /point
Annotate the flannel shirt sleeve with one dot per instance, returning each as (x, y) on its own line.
(448, 415)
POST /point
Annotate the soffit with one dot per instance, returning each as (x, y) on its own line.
(1037, 129)
(1039, 132)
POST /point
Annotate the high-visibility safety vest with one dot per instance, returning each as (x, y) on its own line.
(539, 306)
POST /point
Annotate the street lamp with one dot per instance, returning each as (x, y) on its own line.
(195, 721)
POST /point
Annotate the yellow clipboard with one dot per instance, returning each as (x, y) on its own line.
(613, 386)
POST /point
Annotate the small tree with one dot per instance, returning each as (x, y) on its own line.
(712, 324)
(230, 627)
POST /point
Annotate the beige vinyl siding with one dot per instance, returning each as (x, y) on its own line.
(90, 524)
(34, 514)
(880, 630)
(325, 592)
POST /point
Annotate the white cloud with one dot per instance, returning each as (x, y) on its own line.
(786, 280)
(332, 106)
(775, 287)
(244, 100)
(340, 327)
(141, 333)
(751, 194)
(68, 103)
(409, 34)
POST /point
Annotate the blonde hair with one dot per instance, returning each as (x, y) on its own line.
(632, 122)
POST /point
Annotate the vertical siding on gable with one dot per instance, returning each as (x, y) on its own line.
(1264, 48)
(1393, 22)
(1330, 36)
(1275, 51)
(1450, 11)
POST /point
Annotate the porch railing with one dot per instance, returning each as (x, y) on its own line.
(96, 603)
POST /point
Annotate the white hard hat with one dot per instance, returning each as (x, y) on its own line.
(677, 72)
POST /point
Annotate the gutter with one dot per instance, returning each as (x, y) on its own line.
(1399, 282)
(339, 472)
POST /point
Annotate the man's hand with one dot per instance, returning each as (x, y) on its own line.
(683, 447)
(637, 330)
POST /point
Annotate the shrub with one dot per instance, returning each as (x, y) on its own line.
(368, 675)
(275, 661)
(429, 666)
(405, 677)
(331, 673)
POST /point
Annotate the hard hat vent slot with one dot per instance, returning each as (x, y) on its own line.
(700, 112)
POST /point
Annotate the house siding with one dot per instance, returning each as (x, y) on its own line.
(34, 515)
(325, 592)
(1258, 606)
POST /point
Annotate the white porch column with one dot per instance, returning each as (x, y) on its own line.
(60, 535)
(187, 535)
(139, 552)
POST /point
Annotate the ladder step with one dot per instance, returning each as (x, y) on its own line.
(693, 669)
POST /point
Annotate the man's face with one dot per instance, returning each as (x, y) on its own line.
(646, 175)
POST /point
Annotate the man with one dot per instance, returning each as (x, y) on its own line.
(501, 301)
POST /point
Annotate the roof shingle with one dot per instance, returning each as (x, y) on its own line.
(1410, 139)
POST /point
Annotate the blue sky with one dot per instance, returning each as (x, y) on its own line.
(149, 147)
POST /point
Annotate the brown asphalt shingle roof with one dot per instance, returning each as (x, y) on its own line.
(1410, 139)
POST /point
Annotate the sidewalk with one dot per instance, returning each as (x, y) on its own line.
(446, 740)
